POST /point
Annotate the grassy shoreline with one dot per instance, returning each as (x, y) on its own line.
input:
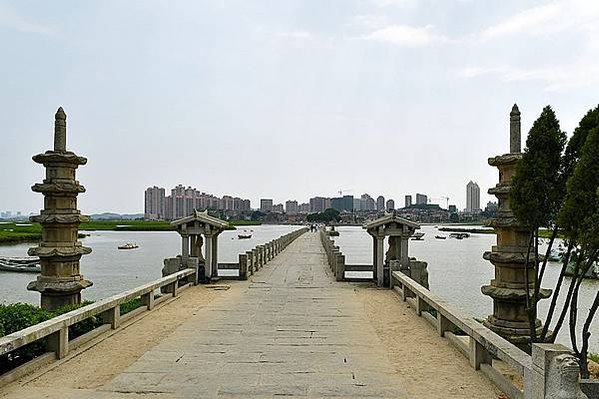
(15, 233)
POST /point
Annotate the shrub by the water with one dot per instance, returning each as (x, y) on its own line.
(18, 316)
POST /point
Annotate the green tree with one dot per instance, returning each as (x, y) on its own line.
(579, 218)
(536, 195)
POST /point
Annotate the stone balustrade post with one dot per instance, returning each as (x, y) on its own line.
(243, 267)
(340, 271)
(112, 317)
(147, 300)
(478, 354)
(250, 259)
(58, 343)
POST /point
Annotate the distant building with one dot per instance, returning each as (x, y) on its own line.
(291, 207)
(319, 204)
(491, 207)
(368, 203)
(154, 203)
(266, 205)
(453, 209)
(472, 197)
(390, 205)
(357, 204)
(345, 203)
(278, 208)
(408, 202)
(421, 199)
(380, 203)
(304, 208)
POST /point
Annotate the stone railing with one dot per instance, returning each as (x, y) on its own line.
(335, 258)
(485, 350)
(55, 332)
(253, 260)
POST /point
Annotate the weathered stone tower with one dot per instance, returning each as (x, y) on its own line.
(508, 288)
(60, 282)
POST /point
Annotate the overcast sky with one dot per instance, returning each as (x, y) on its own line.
(284, 99)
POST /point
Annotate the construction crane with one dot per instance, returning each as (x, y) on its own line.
(430, 200)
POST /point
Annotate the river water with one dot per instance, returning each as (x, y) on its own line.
(456, 267)
(113, 271)
(457, 270)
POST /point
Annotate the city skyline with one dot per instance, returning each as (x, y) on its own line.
(286, 100)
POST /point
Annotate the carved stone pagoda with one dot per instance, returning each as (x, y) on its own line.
(60, 282)
(508, 288)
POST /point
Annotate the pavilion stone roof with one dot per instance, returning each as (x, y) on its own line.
(391, 218)
(201, 217)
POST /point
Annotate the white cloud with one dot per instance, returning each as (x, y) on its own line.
(555, 78)
(407, 36)
(10, 19)
(370, 21)
(393, 3)
(555, 17)
(298, 34)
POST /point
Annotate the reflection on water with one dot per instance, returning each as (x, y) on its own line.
(457, 271)
(113, 271)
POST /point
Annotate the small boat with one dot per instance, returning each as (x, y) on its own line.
(129, 245)
(245, 234)
(20, 265)
(459, 236)
(418, 237)
(440, 237)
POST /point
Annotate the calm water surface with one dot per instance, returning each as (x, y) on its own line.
(113, 271)
(457, 271)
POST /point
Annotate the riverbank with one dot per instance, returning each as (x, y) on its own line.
(15, 232)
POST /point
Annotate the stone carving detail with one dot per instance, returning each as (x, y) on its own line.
(562, 380)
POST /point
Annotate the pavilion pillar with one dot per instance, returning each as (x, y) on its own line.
(215, 255)
(380, 240)
(194, 245)
(209, 256)
(374, 261)
(184, 249)
(403, 252)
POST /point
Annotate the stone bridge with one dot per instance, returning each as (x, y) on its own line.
(291, 329)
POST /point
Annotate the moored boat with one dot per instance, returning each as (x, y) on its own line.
(440, 237)
(129, 245)
(245, 234)
(20, 265)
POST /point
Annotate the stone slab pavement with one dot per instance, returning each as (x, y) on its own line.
(291, 331)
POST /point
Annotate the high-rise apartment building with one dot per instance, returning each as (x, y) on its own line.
(319, 204)
(278, 208)
(408, 202)
(472, 197)
(421, 199)
(184, 200)
(291, 207)
(304, 208)
(154, 203)
(345, 203)
(390, 205)
(380, 203)
(368, 203)
(266, 205)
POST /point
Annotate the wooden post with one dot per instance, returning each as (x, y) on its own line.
(58, 342)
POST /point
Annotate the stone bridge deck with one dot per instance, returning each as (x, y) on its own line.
(292, 331)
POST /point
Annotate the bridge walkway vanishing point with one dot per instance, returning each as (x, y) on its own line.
(291, 330)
